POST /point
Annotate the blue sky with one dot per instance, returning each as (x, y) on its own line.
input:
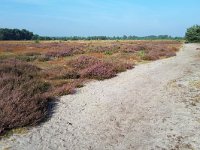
(100, 17)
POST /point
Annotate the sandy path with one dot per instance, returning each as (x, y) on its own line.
(154, 106)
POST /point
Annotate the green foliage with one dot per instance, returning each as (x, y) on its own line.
(193, 34)
(141, 54)
(151, 37)
(15, 34)
(43, 58)
(37, 41)
(108, 53)
(26, 58)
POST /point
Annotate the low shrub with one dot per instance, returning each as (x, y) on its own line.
(108, 52)
(67, 74)
(23, 95)
(2, 57)
(67, 88)
(32, 54)
(141, 53)
(121, 67)
(26, 58)
(99, 71)
(64, 90)
(133, 48)
(83, 62)
(43, 58)
(67, 51)
(37, 41)
(61, 53)
(70, 75)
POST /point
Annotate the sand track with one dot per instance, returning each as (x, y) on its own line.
(154, 106)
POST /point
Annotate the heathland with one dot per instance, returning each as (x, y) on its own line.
(33, 73)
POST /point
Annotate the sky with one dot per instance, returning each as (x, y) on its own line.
(100, 17)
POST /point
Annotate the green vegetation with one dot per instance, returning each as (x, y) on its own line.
(108, 53)
(193, 34)
(16, 34)
(75, 38)
(141, 54)
(37, 41)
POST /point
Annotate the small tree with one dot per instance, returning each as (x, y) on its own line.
(193, 34)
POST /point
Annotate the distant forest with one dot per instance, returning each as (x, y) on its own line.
(17, 34)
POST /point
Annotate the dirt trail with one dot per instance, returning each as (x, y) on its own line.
(154, 106)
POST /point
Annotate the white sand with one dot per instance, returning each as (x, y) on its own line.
(153, 106)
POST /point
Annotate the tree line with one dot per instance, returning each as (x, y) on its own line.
(152, 37)
(17, 34)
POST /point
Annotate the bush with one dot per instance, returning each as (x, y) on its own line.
(108, 52)
(32, 54)
(121, 67)
(64, 90)
(43, 58)
(193, 34)
(60, 50)
(61, 53)
(23, 95)
(26, 58)
(83, 62)
(99, 71)
(37, 41)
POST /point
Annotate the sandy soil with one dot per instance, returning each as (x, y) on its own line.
(154, 106)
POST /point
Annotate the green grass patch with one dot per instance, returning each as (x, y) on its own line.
(141, 54)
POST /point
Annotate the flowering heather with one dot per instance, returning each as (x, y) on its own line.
(23, 95)
(99, 71)
(83, 62)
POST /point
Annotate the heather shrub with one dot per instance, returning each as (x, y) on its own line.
(67, 51)
(100, 49)
(23, 95)
(94, 68)
(60, 53)
(67, 88)
(70, 75)
(32, 54)
(64, 90)
(67, 74)
(99, 71)
(2, 57)
(133, 48)
(151, 55)
(43, 58)
(121, 67)
(26, 58)
(83, 62)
